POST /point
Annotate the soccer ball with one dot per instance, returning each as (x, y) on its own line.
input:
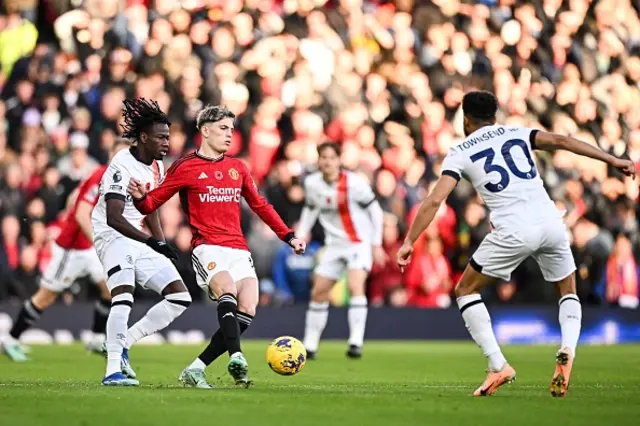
(286, 355)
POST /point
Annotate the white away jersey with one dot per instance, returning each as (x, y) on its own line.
(341, 208)
(122, 168)
(499, 163)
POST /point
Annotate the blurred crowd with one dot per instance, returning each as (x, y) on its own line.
(383, 78)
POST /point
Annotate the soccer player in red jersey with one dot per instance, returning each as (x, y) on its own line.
(210, 185)
(73, 256)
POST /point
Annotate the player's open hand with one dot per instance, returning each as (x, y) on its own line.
(404, 255)
(627, 167)
(298, 245)
(136, 189)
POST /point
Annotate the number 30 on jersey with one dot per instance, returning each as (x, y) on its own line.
(489, 155)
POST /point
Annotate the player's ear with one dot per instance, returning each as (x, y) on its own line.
(143, 137)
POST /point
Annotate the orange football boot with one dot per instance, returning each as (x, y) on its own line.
(495, 379)
(560, 381)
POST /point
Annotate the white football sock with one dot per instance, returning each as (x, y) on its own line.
(570, 318)
(478, 322)
(357, 320)
(159, 316)
(316, 320)
(198, 364)
(117, 330)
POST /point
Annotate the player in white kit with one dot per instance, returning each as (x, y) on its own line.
(352, 221)
(498, 162)
(128, 255)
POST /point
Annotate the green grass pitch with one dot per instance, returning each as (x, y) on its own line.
(395, 383)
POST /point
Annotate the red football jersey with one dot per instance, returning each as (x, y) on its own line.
(71, 236)
(210, 191)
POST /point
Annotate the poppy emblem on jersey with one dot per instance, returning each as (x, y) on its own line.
(211, 266)
(218, 175)
(329, 200)
(234, 174)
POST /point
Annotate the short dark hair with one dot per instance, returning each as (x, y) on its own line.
(213, 113)
(329, 145)
(139, 114)
(480, 105)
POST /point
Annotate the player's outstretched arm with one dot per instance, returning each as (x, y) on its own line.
(427, 211)
(148, 202)
(551, 141)
(268, 214)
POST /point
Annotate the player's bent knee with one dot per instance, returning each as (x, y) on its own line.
(222, 283)
(322, 284)
(122, 281)
(174, 287)
(357, 282)
(320, 297)
(567, 285)
(178, 301)
(249, 309)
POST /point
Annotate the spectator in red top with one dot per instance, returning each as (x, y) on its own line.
(429, 277)
(10, 234)
(265, 138)
(622, 275)
(386, 278)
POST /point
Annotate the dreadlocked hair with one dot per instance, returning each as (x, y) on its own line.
(139, 114)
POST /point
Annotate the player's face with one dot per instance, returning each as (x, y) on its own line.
(329, 162)
(218, 135)
(157, 141)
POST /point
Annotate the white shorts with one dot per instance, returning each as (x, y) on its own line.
(501, 251)
(151, 270)
(336, 259)
(66, 266)
(208, 260)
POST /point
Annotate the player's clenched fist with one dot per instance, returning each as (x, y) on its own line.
(627, 167)
(298, 245)
(404, 255)
(136, 189)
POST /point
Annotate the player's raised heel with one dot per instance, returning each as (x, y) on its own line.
(194, 378)
(495, 379)
(311, 355)
(239, 369)
(560, 382)
(125, 365)
(119, 379)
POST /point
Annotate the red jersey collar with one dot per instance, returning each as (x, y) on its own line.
(204, 157)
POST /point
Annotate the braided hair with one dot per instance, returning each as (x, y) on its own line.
(139, 114)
